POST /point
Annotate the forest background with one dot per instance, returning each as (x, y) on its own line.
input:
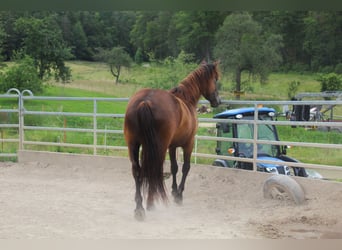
(307, 41)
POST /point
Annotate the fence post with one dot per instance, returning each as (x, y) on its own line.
(21, 122)
(95, 128)
(20, 115)
(255, 137)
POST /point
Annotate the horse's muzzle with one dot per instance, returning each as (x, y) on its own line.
(214, 99)
(215, 102)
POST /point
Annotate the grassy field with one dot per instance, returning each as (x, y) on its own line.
(94, 80)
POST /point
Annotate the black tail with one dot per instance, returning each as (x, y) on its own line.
(153, 154)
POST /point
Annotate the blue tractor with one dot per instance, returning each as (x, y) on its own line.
(266, 132)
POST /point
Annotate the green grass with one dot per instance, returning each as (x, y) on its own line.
(310, 154)
(276, 88)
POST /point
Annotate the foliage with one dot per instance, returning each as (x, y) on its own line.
(312, 40)
(292, 90)
(138, 57)
(330, 82)
(42, 40)
(22, 76)
(290, 24)
(195, 32)
(2, 38)
(116, 58)
(242, 46)
(338, 68)
(80, 47)
(185, 58)
(149, 33)
(163, 74)
(323, 38)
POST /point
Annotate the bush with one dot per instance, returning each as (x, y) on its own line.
(22, 76)
(299, 67)
(139, 58)
(292, 90)
(326, 69)
(330, 82)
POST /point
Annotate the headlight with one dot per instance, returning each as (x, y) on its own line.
(272, 170)
(287, 170)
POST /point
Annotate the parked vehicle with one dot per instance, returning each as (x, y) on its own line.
(266, 132)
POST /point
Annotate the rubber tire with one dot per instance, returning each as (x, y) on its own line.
(283, 187)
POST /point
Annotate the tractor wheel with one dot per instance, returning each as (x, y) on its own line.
(283, 187)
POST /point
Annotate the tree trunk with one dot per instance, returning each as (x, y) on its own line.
(238, 83)
(118, 74)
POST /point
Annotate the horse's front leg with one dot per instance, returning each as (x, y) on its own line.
(174, 170)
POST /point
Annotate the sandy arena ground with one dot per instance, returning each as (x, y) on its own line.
(95, 201)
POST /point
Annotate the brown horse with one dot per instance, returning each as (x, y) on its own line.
(159, 120)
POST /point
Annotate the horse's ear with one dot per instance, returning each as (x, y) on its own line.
(217, 62)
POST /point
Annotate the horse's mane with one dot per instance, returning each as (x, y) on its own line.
(189, 89)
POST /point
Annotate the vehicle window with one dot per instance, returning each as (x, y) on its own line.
(245, 131)
(226, 131)
(265, 132)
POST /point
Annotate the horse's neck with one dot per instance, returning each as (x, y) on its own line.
(188, 93)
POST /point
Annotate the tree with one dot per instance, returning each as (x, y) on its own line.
(80, 42)
(242, 46)
(149, 33)
(11, 39)
(116, 58)
(2, 38)
(323, 38)
(43, 41)
(290, 24)
(194, 31)
(22, 76)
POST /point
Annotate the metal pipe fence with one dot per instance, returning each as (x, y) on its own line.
(22, 112)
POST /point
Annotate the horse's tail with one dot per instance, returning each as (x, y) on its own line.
(152, 157)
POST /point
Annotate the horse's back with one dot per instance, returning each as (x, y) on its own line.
(161, 103)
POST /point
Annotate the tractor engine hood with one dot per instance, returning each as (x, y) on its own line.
(280, 168)
(268, 158)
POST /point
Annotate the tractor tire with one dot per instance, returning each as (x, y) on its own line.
(283, 187)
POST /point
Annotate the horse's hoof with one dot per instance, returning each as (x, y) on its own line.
(150, 207)
(174, 193)
(139, 214)
(178, 199)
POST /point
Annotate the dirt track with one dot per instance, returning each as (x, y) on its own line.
(63, 201)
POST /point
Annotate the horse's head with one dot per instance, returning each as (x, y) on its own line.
(209, 85)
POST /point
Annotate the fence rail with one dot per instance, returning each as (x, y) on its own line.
(21, 111)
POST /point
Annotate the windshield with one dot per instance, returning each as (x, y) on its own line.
(265, 132)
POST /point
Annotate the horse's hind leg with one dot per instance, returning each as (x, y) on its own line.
(174, 170)
(185, 171)
(136, 171)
